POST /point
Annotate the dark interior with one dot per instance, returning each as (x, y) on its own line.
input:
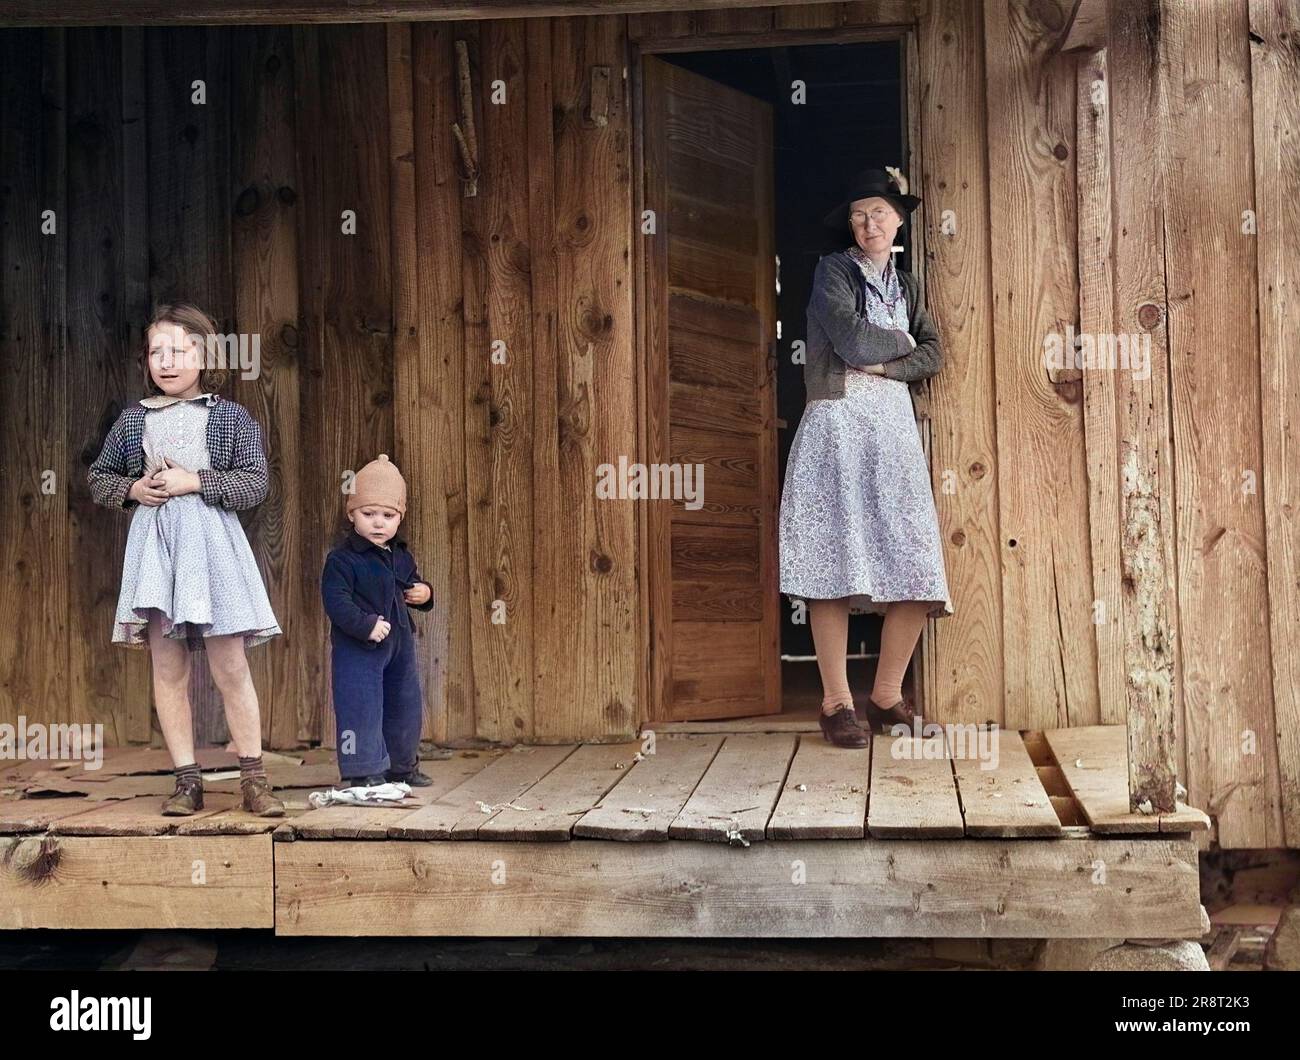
(852, 117)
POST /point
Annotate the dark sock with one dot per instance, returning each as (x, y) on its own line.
(251, 767)
(189, 772)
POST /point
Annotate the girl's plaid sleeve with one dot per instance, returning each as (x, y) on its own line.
(107, 478)
(247, 482)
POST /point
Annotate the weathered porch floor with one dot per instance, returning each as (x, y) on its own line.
(727, 834)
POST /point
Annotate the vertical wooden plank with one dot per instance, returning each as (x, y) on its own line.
(475, 371)
(406, 335)
(1049, 662)
(315, 715)
(430, 407)
(212, 186)
(1274, 77)
(137, 691)
(967, 680)
(265, 254)
(924, 658)
(103, 677)
(188, 167)
(413, 443)
(498, 410)
(348, 401)
(652, 175)
(545, 184)
(1214, 336)
(1096, 318)
(1153, 684)
(587, 647)
(34, 558)
(48, 439)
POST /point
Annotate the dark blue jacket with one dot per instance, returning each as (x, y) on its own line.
(362, 581)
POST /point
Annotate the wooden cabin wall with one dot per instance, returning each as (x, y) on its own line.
(377, 341)
(1101, 547)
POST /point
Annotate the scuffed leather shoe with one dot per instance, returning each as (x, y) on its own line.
(903, 712)
(185, 800)
(841, 727)
(258, 798)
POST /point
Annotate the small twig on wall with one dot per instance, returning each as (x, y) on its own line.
(466, 138)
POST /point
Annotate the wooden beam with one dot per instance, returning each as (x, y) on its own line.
(1275, 108)
(134, 883)
(1224, 597)
(1139, 311)
(1049, 662)
(1015, 888)
(218, 12)
(959, 296)
(1096, 318)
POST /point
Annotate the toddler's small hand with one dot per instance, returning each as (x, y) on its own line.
(381, 629)
(419, 593)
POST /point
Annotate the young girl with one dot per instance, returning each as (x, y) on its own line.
(368, 582)
(183, 460)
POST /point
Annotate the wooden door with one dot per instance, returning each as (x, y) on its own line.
(709, 319)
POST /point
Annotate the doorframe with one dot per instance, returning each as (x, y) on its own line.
(654, 671)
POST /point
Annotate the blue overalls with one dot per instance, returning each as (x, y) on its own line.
(377, 698)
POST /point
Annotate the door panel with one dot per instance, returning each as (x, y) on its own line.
(710, 390)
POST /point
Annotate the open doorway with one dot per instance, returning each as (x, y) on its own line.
(724, 392)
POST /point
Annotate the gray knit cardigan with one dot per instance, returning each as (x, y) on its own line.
(839, 333)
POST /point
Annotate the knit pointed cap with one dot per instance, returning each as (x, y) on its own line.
(379, 482)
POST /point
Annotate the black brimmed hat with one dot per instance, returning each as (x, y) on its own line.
(887, 183)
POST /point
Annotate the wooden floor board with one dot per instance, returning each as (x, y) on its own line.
(735, 798)
(1094, 762)
(825, 793)
(1001, 794)
(549, 809)
(374, 822)
(462, 811)
(650, 797)
(913, 791)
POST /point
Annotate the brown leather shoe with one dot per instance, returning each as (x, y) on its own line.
(903, 712)
(258, 798)
(841, 727)
(185, 800)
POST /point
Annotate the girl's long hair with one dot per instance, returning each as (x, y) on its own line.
(195, 322)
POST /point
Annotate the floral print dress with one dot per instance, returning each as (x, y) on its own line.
(858, 518)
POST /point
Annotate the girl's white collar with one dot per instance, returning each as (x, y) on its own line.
(161, 401)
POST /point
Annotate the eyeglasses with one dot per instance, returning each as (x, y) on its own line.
(880, 215)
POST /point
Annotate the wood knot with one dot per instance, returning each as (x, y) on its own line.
(34, 860)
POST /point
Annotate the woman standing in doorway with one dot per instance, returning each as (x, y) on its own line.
(858, 530)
